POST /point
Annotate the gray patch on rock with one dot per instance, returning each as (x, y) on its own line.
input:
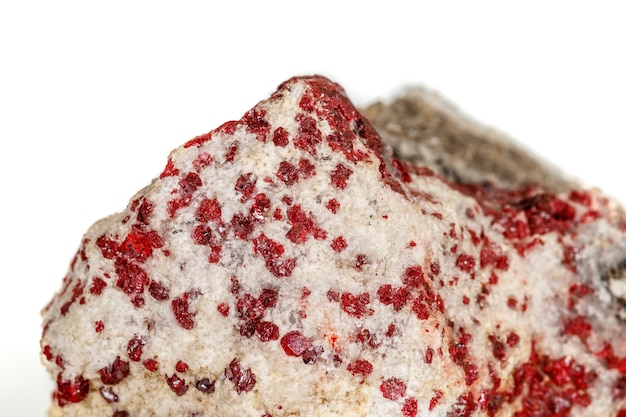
(425, 129)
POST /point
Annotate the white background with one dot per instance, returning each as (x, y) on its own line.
(94, 95)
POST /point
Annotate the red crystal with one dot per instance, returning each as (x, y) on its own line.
(267, 331)
(393, 388)
(180, 308)
(205, 385)
(339, 176)
(177, 385)
(409, 408)
(243, 379)
(151, 365)
(115, 372)
(135, 348)
(355, 305)
(302, 226)
(360, 367)
(71, 391)
(295, 343)
(181, 367)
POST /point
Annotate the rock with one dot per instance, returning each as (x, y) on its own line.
(287, 264)
(424, 129)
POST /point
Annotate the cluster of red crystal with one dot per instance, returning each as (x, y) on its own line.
(291, 246)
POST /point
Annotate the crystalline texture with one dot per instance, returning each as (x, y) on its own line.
(287, 264)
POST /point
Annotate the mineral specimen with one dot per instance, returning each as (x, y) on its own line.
(288, 264)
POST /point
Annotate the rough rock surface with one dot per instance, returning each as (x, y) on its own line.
(425, 129)
(287, 264)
